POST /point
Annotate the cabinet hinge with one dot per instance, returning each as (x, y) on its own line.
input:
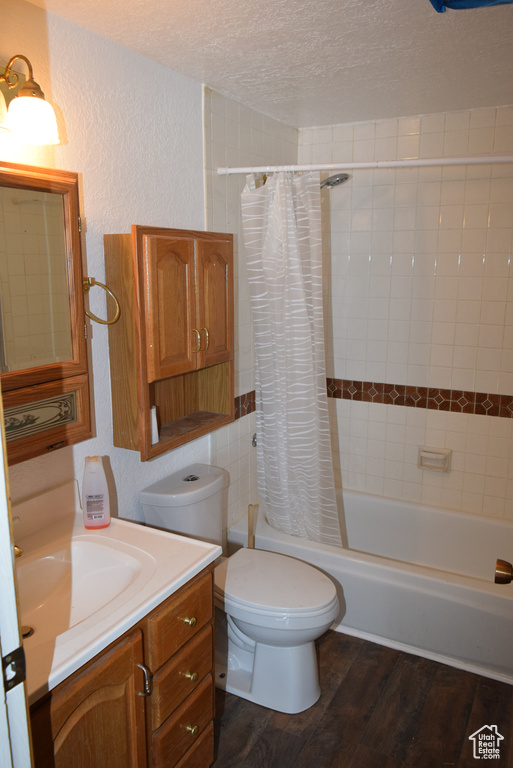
(85, 330)
(13, 668)
(80, 224)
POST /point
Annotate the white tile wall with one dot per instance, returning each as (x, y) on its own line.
(419, 292)
(376, 449)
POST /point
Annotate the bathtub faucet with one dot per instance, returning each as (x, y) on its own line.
(503, 572)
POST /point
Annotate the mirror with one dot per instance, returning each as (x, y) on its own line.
(43, 361)
(34, 308)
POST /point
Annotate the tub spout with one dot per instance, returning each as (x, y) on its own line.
(503, 572)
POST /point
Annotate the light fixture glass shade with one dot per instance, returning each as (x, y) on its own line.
(32, 120)
(3, 113)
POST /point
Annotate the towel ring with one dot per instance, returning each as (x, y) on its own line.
(88, 283)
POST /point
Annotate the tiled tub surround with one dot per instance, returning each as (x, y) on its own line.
(378, 429)
(419, 308)
(418, 294)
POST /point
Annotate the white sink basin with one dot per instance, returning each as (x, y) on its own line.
(79, 590)
(58, 590)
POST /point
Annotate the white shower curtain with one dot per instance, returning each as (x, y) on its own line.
(282, 236)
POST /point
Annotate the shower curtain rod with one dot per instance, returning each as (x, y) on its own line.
(435, 161)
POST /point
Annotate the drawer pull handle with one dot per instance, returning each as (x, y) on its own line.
(192, 676)
(147, 681)
(193, 729)
(190, 621)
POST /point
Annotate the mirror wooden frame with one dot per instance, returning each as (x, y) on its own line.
(57, 387)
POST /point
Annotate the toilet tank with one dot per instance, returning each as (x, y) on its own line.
(188, 502)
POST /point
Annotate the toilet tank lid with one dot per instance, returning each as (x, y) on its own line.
(188, 486)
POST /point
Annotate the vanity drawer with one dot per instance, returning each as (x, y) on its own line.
(172, 625)
(180, 731)
(201, 754)
(180, 676)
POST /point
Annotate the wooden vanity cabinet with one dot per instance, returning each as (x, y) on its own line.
(172, 347)
(95, 718)
(99, 717)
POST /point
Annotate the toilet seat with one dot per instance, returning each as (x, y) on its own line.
(264, 583)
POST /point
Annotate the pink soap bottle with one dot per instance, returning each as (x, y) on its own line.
(95, 494)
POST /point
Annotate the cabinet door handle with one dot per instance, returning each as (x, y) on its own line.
(193, 729)
(198, 339)
(190, 621)
(147, 680)
(207, 340)
(192, 676)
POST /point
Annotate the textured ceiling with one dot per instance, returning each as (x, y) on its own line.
(319, 62)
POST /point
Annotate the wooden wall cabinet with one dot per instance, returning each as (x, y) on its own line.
(172, 347)
(98, 717)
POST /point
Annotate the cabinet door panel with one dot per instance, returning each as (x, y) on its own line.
(170, 306)
(214, 279)
(96, 718)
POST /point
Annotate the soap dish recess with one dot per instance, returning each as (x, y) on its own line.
(437, 459)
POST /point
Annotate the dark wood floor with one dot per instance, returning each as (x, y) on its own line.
(379, 708)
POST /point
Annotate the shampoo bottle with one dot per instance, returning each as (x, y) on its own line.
(95, 494)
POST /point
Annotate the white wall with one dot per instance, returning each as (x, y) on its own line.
(420, 293)
(133, 130)
(140, 156)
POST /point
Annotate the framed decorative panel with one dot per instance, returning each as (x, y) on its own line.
(42, 418)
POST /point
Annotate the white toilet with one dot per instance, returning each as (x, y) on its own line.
(270, 608)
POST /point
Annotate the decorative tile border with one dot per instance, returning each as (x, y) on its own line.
(244, 404)
(455, 400)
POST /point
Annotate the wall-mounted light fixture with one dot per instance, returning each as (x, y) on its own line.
(29, 117)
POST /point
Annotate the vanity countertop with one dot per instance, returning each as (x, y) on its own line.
(81, 589)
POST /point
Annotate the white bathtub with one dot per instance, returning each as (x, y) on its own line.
(416, 578)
